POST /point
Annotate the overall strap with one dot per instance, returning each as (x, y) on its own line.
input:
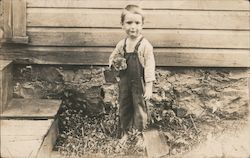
(124, 46)
(138, 44)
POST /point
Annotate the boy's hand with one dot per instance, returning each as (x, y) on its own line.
(110, 63)
(148, 90)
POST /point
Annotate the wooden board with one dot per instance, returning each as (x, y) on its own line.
(158, 38)
(54, 17)
(19, 147)
(7, 18)
(24, 127)
(49, 141)
(156, 144)
(19, 21)
(100, 55)
(31, 109)
(22, 138)
(1, 17)
(6, 88)
(147, 4)
(203, 57)
(19, 18)
(4, 64)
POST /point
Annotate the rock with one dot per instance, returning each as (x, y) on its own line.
(156, 98)
(180, 112)
(47, 73)
(29, 90)
(1, 32)
(193, 105)
(83, 75)
(90, 100)
(68, 75)
(110, 95)
(238, 74)
(171, 79)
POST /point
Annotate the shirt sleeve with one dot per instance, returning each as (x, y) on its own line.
(116, 51)
(149, 60)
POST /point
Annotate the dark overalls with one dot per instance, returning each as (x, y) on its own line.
(133, 109)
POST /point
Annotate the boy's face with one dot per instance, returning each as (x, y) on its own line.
(132, 25)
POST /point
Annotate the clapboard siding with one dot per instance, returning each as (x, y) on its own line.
(183, 32)
(100, 55)
(159, 38)
(146, 4)
(54, 17)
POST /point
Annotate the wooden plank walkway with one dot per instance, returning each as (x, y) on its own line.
(31, 109)
(29, 128)
(23, 138)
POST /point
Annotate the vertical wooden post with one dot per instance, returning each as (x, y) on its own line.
(14, 19)
(7, 19)
(19, 21)
(6, 90)
(1, 15)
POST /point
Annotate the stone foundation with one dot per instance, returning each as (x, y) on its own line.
(223, 91)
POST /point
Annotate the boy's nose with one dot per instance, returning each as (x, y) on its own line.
(133, 25)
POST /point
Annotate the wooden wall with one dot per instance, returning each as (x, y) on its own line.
(212, 33)
(1, 21)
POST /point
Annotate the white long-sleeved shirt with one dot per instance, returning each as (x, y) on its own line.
(145, 54)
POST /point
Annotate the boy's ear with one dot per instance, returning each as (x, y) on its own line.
(122, 25)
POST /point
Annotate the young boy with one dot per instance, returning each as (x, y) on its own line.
(138, 72)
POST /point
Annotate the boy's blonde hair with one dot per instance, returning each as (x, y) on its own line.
(131, 8)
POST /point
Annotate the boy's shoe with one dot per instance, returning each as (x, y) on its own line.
(124, 139)
(140, 142)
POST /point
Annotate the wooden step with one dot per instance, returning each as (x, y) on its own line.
(31, 109)
(156, 144)
(27, 138)
(6, 88)
(29, 128)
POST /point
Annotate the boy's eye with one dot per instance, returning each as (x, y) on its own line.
(130, 22)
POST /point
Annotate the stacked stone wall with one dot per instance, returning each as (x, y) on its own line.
(223, 91)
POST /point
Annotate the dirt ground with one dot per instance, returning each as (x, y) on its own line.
(231, 139)
(228, 139)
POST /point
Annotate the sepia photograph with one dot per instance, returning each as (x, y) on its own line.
(124, 79)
